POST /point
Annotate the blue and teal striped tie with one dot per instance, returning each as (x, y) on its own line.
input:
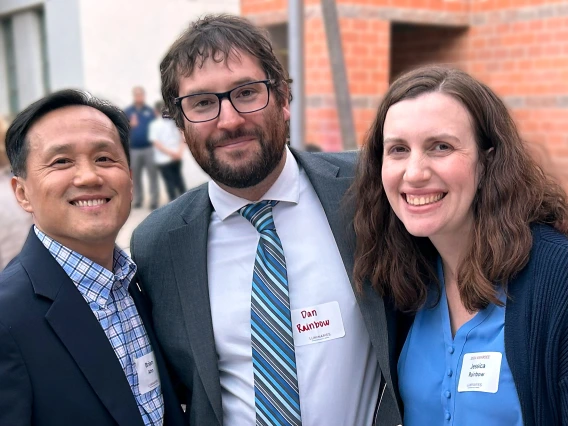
(276, 393)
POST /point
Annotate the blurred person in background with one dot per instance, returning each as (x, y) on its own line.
(15, 222)
(249, 275)
(168, 151)
(459, 227)
(141, 151)
(76, 345)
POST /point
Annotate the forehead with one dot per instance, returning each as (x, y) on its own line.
(428, 112)
(71, 126)
(219, 74)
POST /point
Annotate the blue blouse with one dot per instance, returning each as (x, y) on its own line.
(430, 367)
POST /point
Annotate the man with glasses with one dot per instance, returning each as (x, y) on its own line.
(249, 275)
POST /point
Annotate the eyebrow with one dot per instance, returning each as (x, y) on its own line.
(235, 83)
(443, 136)
(64, 148)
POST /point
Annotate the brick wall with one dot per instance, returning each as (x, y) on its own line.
(518, 47)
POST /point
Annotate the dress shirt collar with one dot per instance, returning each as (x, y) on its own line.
(93, 281)
(286, 188)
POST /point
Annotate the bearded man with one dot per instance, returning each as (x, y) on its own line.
(250, 274)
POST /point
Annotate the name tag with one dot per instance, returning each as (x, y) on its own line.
(480, 372)
(315, 324)
(148, 378)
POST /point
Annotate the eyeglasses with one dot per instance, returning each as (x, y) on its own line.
(246, 98)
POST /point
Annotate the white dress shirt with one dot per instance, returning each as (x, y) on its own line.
(338, 379)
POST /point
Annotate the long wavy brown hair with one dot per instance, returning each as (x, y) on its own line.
(513, 194)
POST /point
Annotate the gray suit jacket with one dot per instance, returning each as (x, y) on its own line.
(170, 248)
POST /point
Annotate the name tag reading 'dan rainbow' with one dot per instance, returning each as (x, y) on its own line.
(316, 324)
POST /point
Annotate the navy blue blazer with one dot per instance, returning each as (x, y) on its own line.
(57, 366)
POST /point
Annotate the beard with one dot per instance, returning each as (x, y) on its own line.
(271, 140)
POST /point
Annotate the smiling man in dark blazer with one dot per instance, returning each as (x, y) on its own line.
(249, 275)
(76, 346)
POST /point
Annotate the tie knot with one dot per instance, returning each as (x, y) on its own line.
(259, 214)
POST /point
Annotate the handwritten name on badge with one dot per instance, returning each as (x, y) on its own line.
(147, 370)
(480, 372)
(315, 324)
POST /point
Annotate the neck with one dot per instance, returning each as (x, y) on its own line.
(451, 250)
(100, 253)
(255, 193)
(105, 261)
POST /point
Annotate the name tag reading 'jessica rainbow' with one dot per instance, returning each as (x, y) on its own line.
(315, 324)
(480, 372)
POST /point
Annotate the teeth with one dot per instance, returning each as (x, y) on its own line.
(422, 200)
(89, 203)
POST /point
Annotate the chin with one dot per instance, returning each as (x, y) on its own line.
(422, 232)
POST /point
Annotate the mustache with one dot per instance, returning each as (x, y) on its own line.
(227, 136)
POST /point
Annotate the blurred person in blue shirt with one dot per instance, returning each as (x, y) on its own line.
(140, 116)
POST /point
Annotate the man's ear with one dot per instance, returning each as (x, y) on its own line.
(131, 187)
(20, 191)
(286, 103)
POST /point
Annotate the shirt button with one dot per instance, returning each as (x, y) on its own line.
(449, 372)
(451, 349)
(447, 394)
(448, 416)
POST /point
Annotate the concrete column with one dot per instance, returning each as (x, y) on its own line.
(29, 66)
(65, 42)
(4, 95)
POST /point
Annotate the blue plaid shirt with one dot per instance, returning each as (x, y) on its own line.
(107, 295)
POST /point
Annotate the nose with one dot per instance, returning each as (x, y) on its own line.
(229, 117)
(417, 169)
(87, 174)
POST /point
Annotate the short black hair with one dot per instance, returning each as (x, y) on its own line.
(17, 143)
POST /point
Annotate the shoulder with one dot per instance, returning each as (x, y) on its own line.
(345, 158)
(171, 216)
(549, 246)
(345, 161)
(16, 292)
(544, 280)
(155, 124)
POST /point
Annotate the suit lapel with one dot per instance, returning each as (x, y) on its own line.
(331, 189)
(189, 251)
(78, 329)
(332, 192)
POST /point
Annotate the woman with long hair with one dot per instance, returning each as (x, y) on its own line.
(458, 227)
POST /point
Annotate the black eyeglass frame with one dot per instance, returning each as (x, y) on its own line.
(225, 95)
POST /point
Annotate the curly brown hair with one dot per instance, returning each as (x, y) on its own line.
(513, 194)
(219, 37)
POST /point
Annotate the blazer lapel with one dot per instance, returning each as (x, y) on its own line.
(333, 193)
(189, 251)
(74, 323)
